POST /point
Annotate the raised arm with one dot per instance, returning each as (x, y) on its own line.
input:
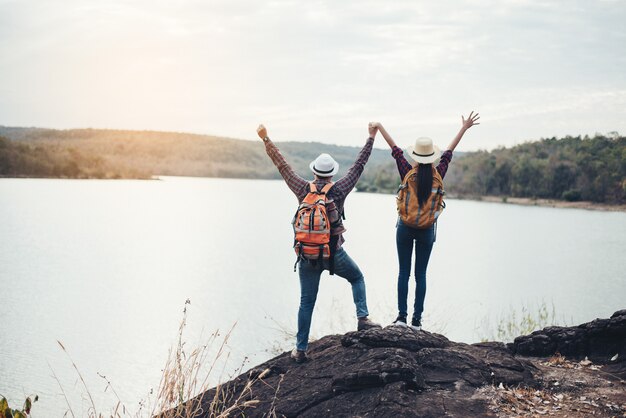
(344, 185)
(401, 162)
(465, 125)
(295, 183)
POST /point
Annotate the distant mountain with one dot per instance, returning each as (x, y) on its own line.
(570, 168)
(100, 153)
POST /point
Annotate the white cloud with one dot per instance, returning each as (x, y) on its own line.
(315, 70)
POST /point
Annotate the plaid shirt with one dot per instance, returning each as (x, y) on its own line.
(341, 188)
(404, 166)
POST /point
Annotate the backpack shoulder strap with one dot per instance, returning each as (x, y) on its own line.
(409, 174)
(326, 188)
(312, 187)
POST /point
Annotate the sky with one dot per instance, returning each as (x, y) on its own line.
(317, 70)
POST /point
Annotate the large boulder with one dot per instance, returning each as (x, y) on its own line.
(400, 372)
(394, 371)
(602, 341)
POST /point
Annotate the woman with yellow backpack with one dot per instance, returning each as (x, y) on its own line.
(420, 202)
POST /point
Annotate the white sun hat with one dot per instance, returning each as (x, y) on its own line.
(424, 151)
(324, 166)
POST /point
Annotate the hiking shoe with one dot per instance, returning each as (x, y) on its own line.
(416, 324)
(400, 321)
(299, 356)
(366, 323)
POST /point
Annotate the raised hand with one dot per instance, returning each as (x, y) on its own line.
(465, 125)
(261, 131)
(373, 129)
(470, 121)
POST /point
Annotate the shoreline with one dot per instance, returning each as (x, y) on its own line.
(552, 203)
(22, 177)
(523, 201)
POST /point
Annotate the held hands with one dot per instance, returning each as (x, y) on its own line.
(372, 127)
(385, 134)
(470, 121)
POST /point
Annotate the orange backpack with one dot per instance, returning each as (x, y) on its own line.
(311, 226)
(411, 213)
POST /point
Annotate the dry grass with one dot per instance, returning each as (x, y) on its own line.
(184, 376)
(184, 383)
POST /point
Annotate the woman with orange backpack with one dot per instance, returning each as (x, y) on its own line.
(420, 201)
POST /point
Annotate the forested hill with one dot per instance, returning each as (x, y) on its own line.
(98, 153)
(570, 168)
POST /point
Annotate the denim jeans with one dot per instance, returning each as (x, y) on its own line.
(406, 239)
(309, 284)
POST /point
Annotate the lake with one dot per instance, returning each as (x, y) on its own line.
(105, 267)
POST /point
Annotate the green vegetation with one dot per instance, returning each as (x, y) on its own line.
(6, 411)
(41, 159)
(98, 153)
(570, 168)
(514, 324)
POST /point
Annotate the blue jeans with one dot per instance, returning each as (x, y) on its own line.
(423, 239)
(309, 284)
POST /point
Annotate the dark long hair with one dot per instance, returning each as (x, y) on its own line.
(424, 182)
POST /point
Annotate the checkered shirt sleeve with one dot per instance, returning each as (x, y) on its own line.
(296, 184)
(344, 185)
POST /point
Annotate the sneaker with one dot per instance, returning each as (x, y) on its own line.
(366, 323)
(400, 321)
(416, 324)
(299, 356)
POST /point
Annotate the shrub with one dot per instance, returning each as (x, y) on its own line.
(7, 412)
(572, 195)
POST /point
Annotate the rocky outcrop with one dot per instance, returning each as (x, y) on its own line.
(399, 372)
(603, 341)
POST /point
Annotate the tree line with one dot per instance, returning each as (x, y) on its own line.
(101, 153)
(569, 168)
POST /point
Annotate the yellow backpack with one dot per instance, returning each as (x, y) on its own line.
(409, 210)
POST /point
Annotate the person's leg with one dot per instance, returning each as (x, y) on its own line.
(423, 247)
(346, 267)
(404, 246)
(309, 285)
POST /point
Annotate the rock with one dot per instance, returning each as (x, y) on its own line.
(379, 367)
(619, 313)
(399, 372)
(393, 336)
(599, 340)
(506, 368)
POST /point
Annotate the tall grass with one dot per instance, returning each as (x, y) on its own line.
(520, 322)
(184, 382)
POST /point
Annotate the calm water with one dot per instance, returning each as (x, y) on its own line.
(106, 267)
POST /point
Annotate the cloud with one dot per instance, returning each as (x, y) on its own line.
(314, 70)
